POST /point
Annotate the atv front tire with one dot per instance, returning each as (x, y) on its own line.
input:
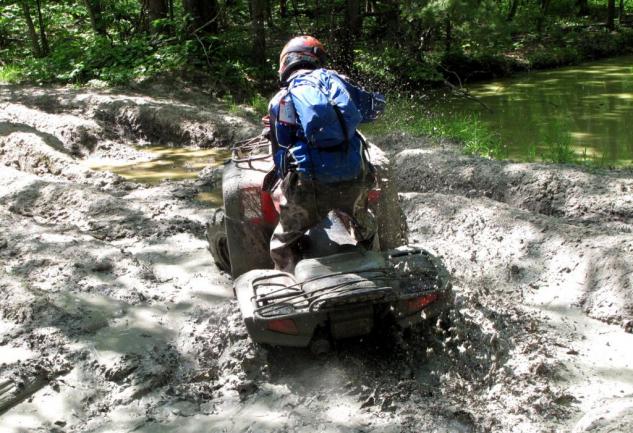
(218, 245)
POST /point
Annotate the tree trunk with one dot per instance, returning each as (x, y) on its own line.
(621, 11)
(94, 11)
(541, 18)
(258, 16)
(43, 37)
(283, 8)
(389, 20)
(354, 18)
(156, 10)
(449, 35)
(350, 30)
(583, 7)
(35, 44)
(611, 14)
(204, 15)
(514, 5)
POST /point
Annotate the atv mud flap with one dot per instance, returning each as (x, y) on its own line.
(352, 321)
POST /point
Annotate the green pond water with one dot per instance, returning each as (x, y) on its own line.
(588, 108)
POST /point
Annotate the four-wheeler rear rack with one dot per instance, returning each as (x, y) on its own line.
(288, 299)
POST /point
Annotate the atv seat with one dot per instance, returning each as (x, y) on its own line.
(353, 262)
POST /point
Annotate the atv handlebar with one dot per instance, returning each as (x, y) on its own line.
(253, 149)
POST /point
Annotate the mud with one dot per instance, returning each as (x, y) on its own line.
(549, 226)
(113, 317)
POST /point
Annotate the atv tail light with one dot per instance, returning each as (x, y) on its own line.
(417, 304)
(258, 206)
(283, 326)
(373, 196)
(269, 213)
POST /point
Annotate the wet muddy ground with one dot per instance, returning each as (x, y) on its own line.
(114, 319)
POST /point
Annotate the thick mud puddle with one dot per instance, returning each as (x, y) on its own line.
(159, 163)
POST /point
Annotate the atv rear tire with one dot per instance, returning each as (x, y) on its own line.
(218, 245)
(391, 223)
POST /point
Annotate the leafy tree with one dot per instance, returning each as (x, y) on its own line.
(157, 10)
(394, 43)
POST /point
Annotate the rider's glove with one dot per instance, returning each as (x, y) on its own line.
(266, 131)
(378, 103)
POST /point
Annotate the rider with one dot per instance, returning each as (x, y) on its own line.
(316, 179)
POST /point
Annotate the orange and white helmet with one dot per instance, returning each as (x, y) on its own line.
(302, 52)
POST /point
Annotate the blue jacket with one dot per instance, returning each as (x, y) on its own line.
(290, 146)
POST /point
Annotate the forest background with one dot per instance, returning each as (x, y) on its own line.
(232, 46)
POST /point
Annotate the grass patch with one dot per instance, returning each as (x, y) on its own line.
(253, 108)
(405, 116)
(559, 145)
(10, 74)
(259, 104)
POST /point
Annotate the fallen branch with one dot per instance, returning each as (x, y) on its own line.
(204, 49)
(461, 91)
(464, 92)
(12, 393)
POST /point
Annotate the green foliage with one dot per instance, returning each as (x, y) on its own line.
(259, 104)
(405, 115)
(255, 108)
(531, 153)
(386, 67)
(401, 44)
(234, 106)
(10, 74)
(478, 139)
(127, 53)
(95, 57)
(559, 144)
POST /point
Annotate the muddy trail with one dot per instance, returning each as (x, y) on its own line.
(113, 317)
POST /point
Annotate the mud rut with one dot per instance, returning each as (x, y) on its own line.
(113, 318)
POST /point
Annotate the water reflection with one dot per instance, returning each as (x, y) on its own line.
(591, 105)
(169, 163)
(213, 197)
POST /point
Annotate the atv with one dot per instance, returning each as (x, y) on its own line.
(339, 289)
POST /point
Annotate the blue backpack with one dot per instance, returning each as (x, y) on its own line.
(330, 149)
